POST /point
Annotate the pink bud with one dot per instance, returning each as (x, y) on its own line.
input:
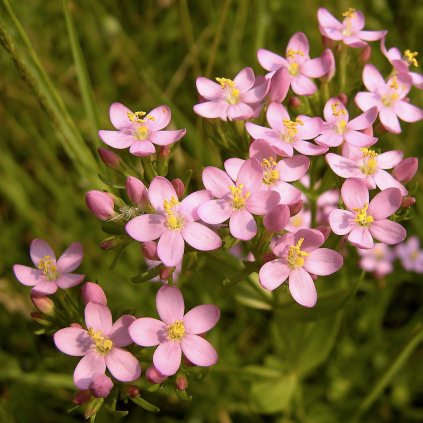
(136, 190)
(100, 204)
(405, 170)
(407, 202)
(181, 382)
(101, 385)
(368, 131)
(166, 273)
(132, 391)
(43, 304)
(75, 325)
(81, 397)
(342, 97)
(93, 292)
(365, 54)
(294, 102)
(109, 243)
(154, 376)
(149, 250)
(179, 187)
(277, 219)
(325, 230)
(295, 208)
(109, 158)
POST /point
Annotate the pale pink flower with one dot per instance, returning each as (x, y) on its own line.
(92, 292)
(364, 220)
(377, 259)
(389, 97)
(139, 130)
(230, 99)
(100, 346)
(349, 30)
(411, 255)
(176, 332)
(338, 128)
(237, 199)
(406, 169)
(366, 164)
(49, 273)
(298, 256)
(285, 135)
(298, 64)
(173, 222)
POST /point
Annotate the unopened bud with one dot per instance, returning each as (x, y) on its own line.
(368, 131)
(132, 391)
(93, 292)
(407, 202)
(81, 397)
(296, 207)
(40, 318)
(405, 170)
(164, 151)
(365, 54)
(109, 243)
(166, 273)
(136, 190)
(43, 304)
(100, 204)
(154, 376)
(342, 97)
(325, 230)
(277, 219)
(93, 407)
(109, 158)
(294, 102)
(179, 186)
(101, 385)
(149, 250)
(181, 382)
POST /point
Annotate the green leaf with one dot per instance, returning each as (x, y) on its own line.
(145, 404)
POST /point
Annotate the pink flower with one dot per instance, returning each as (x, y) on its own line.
(326, 202)
(299, 256)
(176, 332)
(285, 135)
(411, 255)
(139, 130)
(349, 30)
(237, 201)
(50, 274)
(100, 204)
(366, 164)
(298, 64)
(363, 221)
(389, 98)
(377, 259)
(99, 346)
(230, 99)
(173, 223)
(302, 220)
(338, 128)
(406, 169)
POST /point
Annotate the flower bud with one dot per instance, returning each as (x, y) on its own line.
(166, 273)
(101, 385)
(40, 318)
(405, 170)
(154, 376)
(93, 292)
(81, 397)
(100, 204)
(181, 382)
(325, 230)
(295, 208)
(342, 97)
(365, 54)
(109, 158)
(43, 304)
(179, 187)
(407, 202)
(136, 190)
(277, 219)
(294, 102)
(149, 250)
(132, 391)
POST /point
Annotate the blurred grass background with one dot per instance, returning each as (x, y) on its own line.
(67, 61)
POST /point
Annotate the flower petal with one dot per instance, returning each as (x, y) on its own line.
(217, 181)
(189, 205)
(303, 85)
(27, 275)
(365, 120)
(39, 249)
(312, 239)
(142, 148)
(200, 237)
(341, 221)
(123, 365)
(146, 227)
(209, 89)
(302, 288)
(262, 202)
(232, 166)
(119, 116)
(407, 112)
(201, 319)
(361, 237)
(161, 190)
(354, 193)
(240, 111)
(69, 280)
(167, 358)
(242, 225)
(389, 120)
(198, 351)
(91, 364)
(270, 61)
(273, 274)
(388, 231)
(45, 288)
(309, 149)
(275, 115)
(170, 304)
(98, 317)
(293, 168)
(298, 42)
(215, 211)
(372, 79)
(385, 203)
(212, 109)
(244, 80)
(116, 139)
(71, 258)
(73, 341)
(161, 117)
(384, 180)
(323, 262)
(148, 332)
(170, 247)
(119, 333)
(358, 139)
(166, 137)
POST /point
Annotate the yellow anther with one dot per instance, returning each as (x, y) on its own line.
(173, 220)
(296, 255)
(350, 13)
(293, 68)
(47, 265)
(389, 99)
(176, 331)
(361, 216)
(410, 57)
(270, 174)
(291, 126)
(102, 344)
(292, 53)
(369, 164)
(394, 83)
(233, 93)
(238, 197)
(335, 110)
(140, 117)
(141, 132)
(341, 125)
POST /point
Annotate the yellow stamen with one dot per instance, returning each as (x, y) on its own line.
(341, 125)
(238, 197)
(229, 85)
(291, 126)
(350, 13)
(176, 331)
(296, 255)
(292, 53)
(335, 110)
(46, 264)
(141, 132)
(394, 83)
(410, 57)
(270, 174)
(369, 164)
(361, 216)
(293, 68)
(173, 220)
(103, 345)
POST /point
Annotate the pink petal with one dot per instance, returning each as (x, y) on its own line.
(329, 138)
(212, 109)
(71, 258)
(148, 332)
(270, 61)
(166, 137)
(342, 166)
(142, 148)
(240, 111)
(372, 79)
(358, 139)
(27, 275)
(299, 42)
(198, 351)
(354, 193)
(215, 211)
(200, 237)
(279, 85)
(388, 231)
(170, 247)
(356, 21)
(309, 149)
(170, 304)
(312, 239)
(293, 168)
(262, 202)
(260, 132)
(302, 288)
(161, 116)
(361, 237)
(73, 341)
(208, 89)
(167, 358)
(389, 120)
(407, 112)
(310, 129)
(119, 116)
(330, 26)
(417, 80)
(341, 221)
(146, 227)
(217, 181)
(371, 35)
(123, 365)
(98, 317)
(39, 249)
(273, 274)
(160, 190)
(242, 225)
(354, 42)
(189, 205)
(256, 94)
(91, 364)
(328, 112)
(364, 120)
(323, 262)
(288, 193)
(366, 101)
(275, 115)
(250, 175)
(282, 244)
(116, 139)
(244, 80)
(45, 288)
(232, 167)
(69, 280)
(389, 159)
(315, 68)
(385, 203)
(384, 180)
(302, 85)
(120, 333)
(201, 319)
